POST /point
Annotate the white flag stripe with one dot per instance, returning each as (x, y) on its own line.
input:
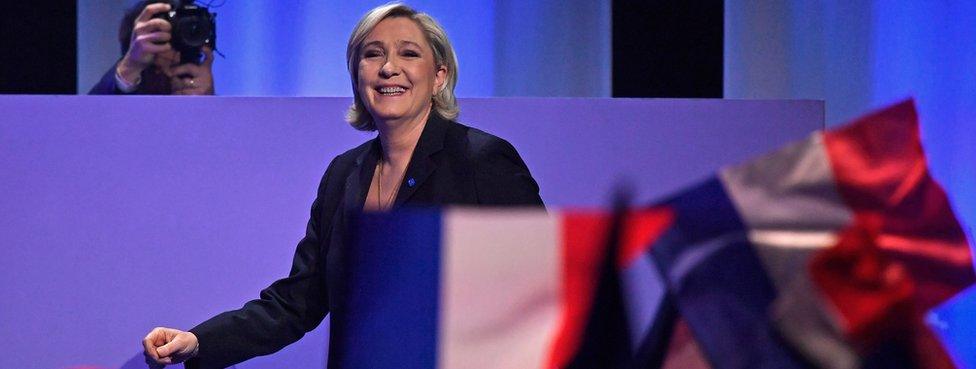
(789, 189)
(501, 294)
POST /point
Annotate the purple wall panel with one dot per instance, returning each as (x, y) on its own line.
(579, 149)
(121, 214)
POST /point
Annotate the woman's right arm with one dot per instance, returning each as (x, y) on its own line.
(285, 311)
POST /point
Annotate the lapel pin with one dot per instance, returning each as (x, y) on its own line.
(411, 182)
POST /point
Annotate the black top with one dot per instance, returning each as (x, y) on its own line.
(153, 82)
(451, 164)
(106, 85)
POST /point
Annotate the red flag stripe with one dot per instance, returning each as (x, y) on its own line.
(880, 169)
(584, 245)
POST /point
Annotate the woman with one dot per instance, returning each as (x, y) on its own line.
(403, 72)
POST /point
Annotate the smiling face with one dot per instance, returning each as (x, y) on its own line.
(397, 74)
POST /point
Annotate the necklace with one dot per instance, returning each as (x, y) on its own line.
(379, 188)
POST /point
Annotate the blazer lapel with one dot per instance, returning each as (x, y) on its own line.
(357, 183)
(421, 164)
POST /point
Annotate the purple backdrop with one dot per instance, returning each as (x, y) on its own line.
(118, 214)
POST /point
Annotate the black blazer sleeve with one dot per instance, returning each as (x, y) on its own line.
(106, 85)
(285, 311)
(501, 177)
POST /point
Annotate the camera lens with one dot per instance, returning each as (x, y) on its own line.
(193, 31)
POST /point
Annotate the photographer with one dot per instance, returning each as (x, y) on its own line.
(150, 64)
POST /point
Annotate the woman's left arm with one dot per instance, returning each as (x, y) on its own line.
(502, 178)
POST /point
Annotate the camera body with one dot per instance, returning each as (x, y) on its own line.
(193, 27)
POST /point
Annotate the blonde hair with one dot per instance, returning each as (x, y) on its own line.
(443, 102)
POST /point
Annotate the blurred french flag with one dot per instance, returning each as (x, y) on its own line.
(839, 251)
(475, 288)
(828, 253)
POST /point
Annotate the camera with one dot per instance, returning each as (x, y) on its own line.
(193, 28)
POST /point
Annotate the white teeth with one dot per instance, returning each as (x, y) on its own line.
(392, 90)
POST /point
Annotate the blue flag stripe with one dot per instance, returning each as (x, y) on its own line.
(719, 284)
(389, 318)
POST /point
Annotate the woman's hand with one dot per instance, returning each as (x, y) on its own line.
(165, 346)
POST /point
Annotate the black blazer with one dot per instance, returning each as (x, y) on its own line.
(153, 83)
(106, 85)
(451, 164)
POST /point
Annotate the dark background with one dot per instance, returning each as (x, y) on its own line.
(39, 47)
(660, 48)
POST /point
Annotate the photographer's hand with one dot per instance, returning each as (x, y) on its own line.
(150, 36)
(193, 79)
